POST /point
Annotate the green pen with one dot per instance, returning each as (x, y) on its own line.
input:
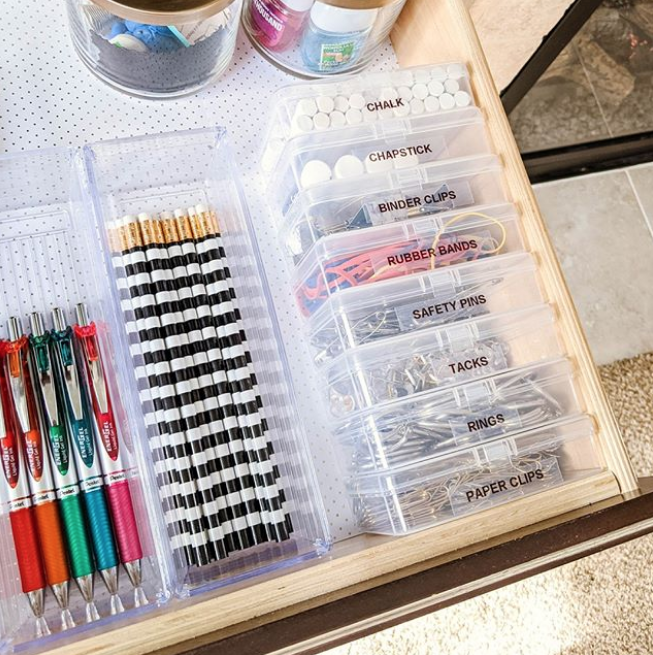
(79, 421)
(80, 554)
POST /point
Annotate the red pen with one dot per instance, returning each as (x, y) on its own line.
(110, 452)
(16, 494)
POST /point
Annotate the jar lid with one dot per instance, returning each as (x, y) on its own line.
(164, 12)
(340, 19)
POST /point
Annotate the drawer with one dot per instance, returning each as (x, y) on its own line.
(428, 31)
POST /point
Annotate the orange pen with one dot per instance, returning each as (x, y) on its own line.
(39, 471)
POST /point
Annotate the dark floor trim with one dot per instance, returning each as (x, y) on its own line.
(552, 45)
(592, 157)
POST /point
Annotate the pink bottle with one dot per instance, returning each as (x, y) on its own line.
(276, 24)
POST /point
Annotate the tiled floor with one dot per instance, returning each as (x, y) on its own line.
(602, 228)
(600, 86)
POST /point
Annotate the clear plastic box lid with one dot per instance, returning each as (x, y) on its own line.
(365, 98)
(410, 430)
(439, 357)
(383, 198)
(440, 489)
(358, 316)
(353, 259)
(313, 159)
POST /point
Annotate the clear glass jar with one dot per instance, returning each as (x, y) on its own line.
(319, 38)
(155, 48)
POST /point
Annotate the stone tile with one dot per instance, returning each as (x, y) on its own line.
(641, 177)
(606, 251)
(560, 109)
(616, 50)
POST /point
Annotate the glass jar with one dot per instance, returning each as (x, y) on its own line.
(155, 48)
(318, 38)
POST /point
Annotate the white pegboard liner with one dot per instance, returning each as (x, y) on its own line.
(49, 98)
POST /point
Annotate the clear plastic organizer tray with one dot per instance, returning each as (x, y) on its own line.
(355, 317)
(410, 430)
(465, 482)
(352, 205)
(317, 158)
(202, 360)
(75, 507)
(439, 357)
(186, 491)
(366, 98)
(353, 259)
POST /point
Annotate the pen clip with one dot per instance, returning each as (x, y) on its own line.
(15, 369)
(42, 368)
(93, 361)
(64, 355)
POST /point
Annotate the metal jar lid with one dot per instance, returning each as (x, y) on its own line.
(164, 12)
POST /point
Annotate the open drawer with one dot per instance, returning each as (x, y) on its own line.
(428, 31)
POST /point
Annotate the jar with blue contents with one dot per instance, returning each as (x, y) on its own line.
(322, 37)
(155, 48)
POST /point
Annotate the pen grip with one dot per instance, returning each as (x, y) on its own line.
(78, 542)
(53, 551)
(30, 564)
(99, 523)
(124, 521)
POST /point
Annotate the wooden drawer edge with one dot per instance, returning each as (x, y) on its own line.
(361, 562)
(430, 31)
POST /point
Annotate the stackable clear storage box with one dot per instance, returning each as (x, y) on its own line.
(409, 430)
(353, 259)
(428, 493)
(55, 209)
(312, 159)
(439, 357)
(366, 98)
(383, 198)
(373, 313)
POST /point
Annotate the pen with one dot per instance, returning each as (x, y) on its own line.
(38, 468)
(79, 423)
(110, 453)
(14, 491)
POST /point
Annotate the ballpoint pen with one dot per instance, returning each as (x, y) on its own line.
(38, 467)
(110, 453)
(15, 494)
(79, 423)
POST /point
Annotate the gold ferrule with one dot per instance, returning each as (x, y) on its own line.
(184, 227)
(169, 230)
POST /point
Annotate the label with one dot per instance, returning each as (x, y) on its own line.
(59, 450)
(379, 105)
(417, 315)
(335, 55)
(510, 482)
(90, 484)
(398, 153)
(446, 197)
(452, 249)
(84, 442)
(109, 438)
(482, 425)
(34, 454)
(485, 357)
(10, 459)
